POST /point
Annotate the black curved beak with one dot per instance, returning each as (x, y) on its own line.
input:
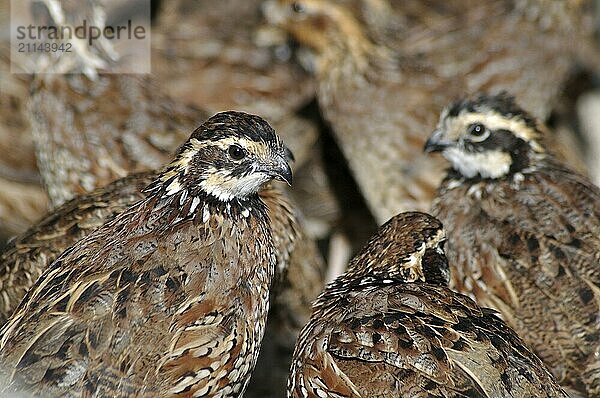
(436, 143)
(282, 171)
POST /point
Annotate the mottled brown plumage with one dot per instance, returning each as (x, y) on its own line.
(524, 233)
(390, 327)
(381, 90)
(122, 124)
(210, 54)
(299, 271)
(22, 199)
(27, 255)
(171, 296)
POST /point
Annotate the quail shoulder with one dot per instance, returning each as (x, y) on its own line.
(390, 326)
(524, 232)
(171, 296)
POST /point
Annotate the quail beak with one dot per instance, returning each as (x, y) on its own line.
(436, 142)
(282, 171)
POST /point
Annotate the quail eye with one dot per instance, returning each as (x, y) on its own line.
(476, 129)
(297, 7)
(236, 152)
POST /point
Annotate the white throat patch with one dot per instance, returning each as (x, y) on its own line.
(488, 164)
(227, 188)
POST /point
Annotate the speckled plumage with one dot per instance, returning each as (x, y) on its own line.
(390, 327)
(380, 90)
(169, 298)
(299, 271)
(526, 242)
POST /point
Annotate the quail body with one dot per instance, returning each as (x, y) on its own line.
(169, 298)
(298, 274)
(391, 327)
(381, 91)
(524, 233)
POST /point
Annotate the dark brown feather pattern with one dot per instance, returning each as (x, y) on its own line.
(376, 333)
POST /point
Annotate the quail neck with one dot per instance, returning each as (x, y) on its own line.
(408, 248)
(488, 137)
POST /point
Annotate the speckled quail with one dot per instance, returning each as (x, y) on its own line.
(524, 232)
(299, 272)
(391, 327)
(135, 130)
(381, 92)
(171, 296)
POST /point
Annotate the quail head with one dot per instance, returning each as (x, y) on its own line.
(524, 232)
(169, 298)
(391, 327)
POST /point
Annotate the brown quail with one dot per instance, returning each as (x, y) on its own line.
(169, 298)
(381, 92)
(299, 272)
(524, 233)
(390, 327)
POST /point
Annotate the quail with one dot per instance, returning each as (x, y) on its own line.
(380, 93)
(523, 231)
(169, 298)
(299, 271)
(391, 327)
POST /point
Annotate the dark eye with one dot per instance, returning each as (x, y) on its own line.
(476, 129)
(297, 7)
(236, 152)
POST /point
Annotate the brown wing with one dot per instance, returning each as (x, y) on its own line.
(27, 255)
(533, 254)
(383, 341)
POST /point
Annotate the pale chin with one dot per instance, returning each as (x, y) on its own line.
(240, 188)
(488, 164)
